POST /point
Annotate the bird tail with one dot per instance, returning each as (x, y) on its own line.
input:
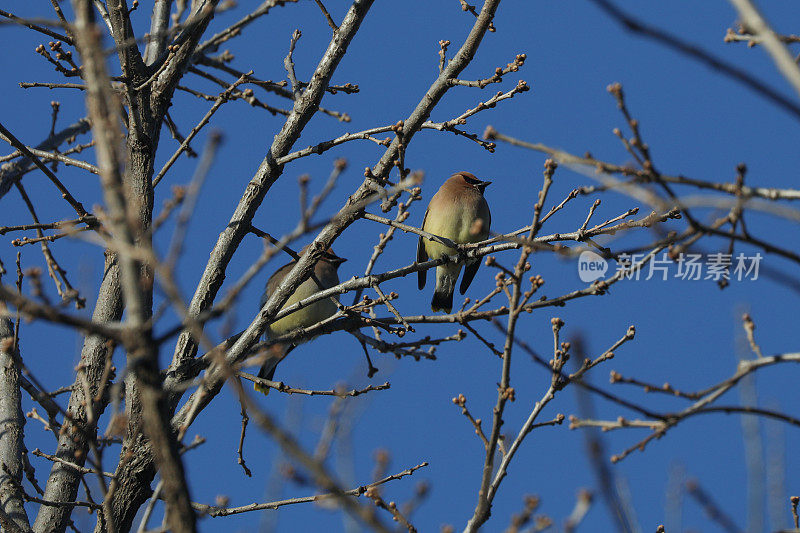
(276, 353)
(445, 285)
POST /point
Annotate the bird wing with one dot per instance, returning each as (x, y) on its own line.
(471, 269)
(469, 273)
(274, 281)
(422, 256)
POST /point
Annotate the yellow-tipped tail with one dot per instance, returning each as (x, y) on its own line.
(263, 389)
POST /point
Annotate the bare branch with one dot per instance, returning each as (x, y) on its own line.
(338, 392)
(13, 141)
(754, 21)
(694, 52)
(327, 16)
(211, 510)
(35, 27)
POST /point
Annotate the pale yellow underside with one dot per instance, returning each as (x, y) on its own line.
(305, 317)
(454, 224)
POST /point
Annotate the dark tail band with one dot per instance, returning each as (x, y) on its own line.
(442, 300)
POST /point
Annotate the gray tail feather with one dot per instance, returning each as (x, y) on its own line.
(442, 299)
(443, 293)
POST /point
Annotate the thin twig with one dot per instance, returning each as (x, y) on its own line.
(213, 511)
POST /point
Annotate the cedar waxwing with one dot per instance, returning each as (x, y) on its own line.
(325, 272)
(459, 212)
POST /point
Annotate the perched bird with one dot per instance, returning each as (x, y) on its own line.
(459, 212)
(325, 272)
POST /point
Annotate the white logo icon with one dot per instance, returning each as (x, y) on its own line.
(591, 266)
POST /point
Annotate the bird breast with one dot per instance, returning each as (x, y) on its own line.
(305, 317)
(458, 222)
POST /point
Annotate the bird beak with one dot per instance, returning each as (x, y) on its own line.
(485, 184)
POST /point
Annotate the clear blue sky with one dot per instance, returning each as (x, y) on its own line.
(697, 123)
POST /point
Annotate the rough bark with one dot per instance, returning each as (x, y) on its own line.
(12, 423)
(135, 476)
(130, 199)
(62, 484)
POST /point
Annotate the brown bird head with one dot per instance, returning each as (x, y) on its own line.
(469, 180)
(327, 256)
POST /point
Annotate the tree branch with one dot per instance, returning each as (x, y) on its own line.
(12, 424)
